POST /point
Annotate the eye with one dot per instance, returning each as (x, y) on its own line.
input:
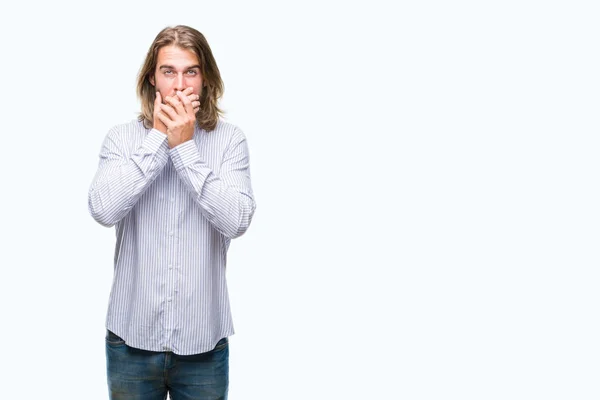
(192, 72)
(168, 72)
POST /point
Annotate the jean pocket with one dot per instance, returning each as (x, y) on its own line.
(113, 339)
(221, 344)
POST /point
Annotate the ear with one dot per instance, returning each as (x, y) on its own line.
(151, 79)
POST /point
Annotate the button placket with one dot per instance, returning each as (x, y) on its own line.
(172, 255)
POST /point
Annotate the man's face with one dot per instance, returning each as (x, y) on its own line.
(176, 69)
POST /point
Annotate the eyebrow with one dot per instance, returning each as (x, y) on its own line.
(172, 67)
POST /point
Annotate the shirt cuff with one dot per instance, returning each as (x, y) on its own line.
(185, 154)
(154, 140)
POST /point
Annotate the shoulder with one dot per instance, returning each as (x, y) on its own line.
(227, 129)
(126, 132)
(133, 127)
(230, 132)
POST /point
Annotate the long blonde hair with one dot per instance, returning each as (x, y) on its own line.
(189, 39)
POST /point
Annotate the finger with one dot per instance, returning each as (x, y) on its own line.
(164, 119)
(176, 104)
(185, 99)
(196, 104)
(186, 103)
(168, 111)
(196, 109)
(193, 97)
(171, 100)
(157, 100)
(189, 92)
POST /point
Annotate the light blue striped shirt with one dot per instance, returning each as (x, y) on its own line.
(176, 211)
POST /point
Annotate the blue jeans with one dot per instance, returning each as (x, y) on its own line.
(135, 374)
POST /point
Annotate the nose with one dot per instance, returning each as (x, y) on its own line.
(179, 82)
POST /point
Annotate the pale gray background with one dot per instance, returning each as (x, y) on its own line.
(426, 177)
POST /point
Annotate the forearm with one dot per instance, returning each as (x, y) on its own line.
(226, 200)
(120, 181)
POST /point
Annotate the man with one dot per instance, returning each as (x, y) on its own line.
(176, 184)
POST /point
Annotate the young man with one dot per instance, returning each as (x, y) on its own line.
(176, 184)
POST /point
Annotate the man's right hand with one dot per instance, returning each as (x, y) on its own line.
(158, 124)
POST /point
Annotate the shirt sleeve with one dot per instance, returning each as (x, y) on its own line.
(120, 179)
(226, 199)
